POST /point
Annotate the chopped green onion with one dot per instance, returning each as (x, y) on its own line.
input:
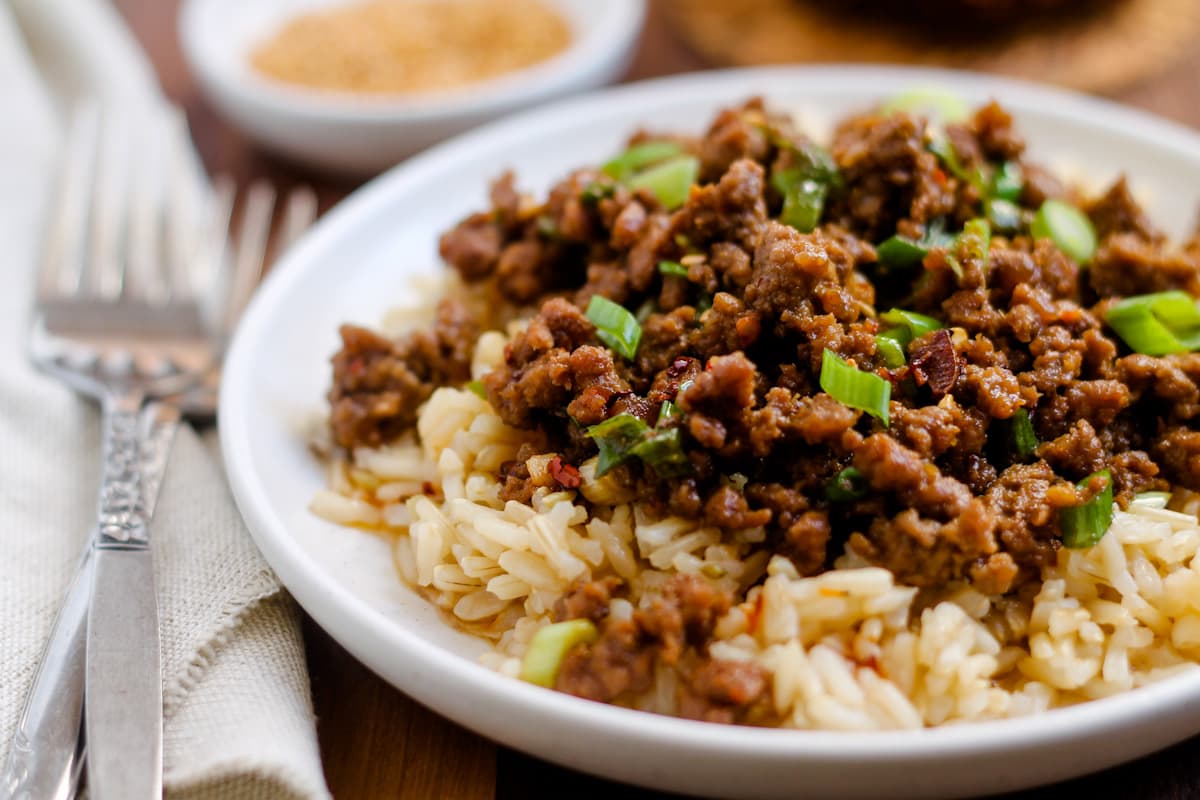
(803, 198)
(1085, 525)
(977, 235)
(550, 645)
(624, 436)
(476, 387)
(638, 157)
(615, 326)
(852, 387)
(1152, 499)
(616, 438)
(847, 485)
(1068, 227)
(669, 181)
(662, 449)
(890, 348)
(1157, 324)
(1008, 181)
(704, 303)
(1024, 439)
(908, 325)
(672, 268)
(942, 147)
(668, 412)
(1003, 215)
(818, 164)
(644, 311)
(899, 252)
(945, 105)
(546, 227)
(596, 191)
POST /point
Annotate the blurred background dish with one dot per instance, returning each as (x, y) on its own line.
(355, 87)
(1094, 45)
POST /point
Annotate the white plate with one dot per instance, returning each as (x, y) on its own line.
(357, 262)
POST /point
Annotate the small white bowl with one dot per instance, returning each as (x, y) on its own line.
(361, 134)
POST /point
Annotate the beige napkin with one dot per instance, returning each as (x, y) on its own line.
(238, 714)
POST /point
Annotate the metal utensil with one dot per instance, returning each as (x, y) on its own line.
(47, 753)
(118, 317)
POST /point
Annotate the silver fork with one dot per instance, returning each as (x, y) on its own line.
(118, 317)
(48, 749)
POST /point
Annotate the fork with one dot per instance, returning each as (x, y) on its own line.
(44, 758)
(49, 749)
(118, 316)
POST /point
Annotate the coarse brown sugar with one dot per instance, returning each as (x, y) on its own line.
(403, 46)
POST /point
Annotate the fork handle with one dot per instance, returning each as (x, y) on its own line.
(123, 686)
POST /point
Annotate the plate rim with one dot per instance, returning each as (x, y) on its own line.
(356, 618)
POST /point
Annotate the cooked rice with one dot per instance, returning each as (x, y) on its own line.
(847, 650)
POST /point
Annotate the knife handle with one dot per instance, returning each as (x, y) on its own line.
(124, 680)
(123, 711)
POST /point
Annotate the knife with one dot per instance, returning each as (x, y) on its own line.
(47, 752)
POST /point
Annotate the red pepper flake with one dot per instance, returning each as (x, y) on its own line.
(940, 177)
(564, 475)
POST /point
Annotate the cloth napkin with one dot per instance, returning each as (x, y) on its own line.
(238, 713)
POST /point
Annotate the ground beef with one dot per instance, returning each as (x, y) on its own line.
(672, 626)
(378, 383)
(736, 310)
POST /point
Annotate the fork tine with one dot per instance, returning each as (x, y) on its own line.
(104, 268)
(144, 276)
(189, 227)
(299, 213)
(253, 233)
(62, 259)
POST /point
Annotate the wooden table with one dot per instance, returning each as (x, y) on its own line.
(375, 741)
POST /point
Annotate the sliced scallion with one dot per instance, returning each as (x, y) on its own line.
(615, 438)
(669, 181)
(1157, 324)
(803, 198)
(1008, 181)
(672, 268)
(1024, 439)
(476, 388)
(908, 325)
(977, 235)
(550, 645)
(942, 147)
(638, 157)
(615, 326)
(900, 252)
(596, 191)
(852, 387)
(662, 449)
(847, 485)
(945, 105)
(1084, 525)
(1004, 216)
(1068, 227)
(668, 412)
(890, 348)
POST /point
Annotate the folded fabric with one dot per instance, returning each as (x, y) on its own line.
(238, 713)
